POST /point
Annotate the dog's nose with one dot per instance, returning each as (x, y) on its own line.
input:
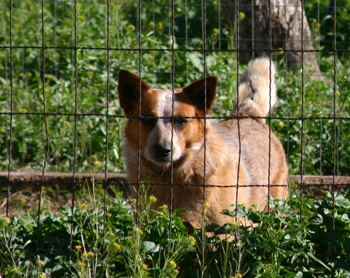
(163, 150)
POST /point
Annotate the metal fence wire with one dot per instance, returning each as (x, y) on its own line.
(59, 108)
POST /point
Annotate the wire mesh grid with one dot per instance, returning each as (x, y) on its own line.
(59, 103)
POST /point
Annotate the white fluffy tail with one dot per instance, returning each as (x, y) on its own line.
(257, 89)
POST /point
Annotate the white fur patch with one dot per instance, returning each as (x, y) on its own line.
(163, 132)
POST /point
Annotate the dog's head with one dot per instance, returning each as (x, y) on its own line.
(170, 122)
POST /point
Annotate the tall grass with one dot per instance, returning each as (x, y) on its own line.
(108, 237)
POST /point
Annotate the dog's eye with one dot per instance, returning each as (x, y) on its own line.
(149, 120)
(180, 121)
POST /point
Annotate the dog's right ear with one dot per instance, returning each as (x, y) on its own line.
(129, 90)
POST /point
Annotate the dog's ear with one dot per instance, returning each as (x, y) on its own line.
(129, 90)
(197, 92)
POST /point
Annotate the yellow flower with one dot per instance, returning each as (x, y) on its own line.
(133, 202)
(160, 25)
(175, 272)
(192, 240)
(108, 214)
(138, 231)
(132, 27)
(42, 276)
(83, 206)
(15, 270)
(6, 219)
(234, 224)
(40, 262)
(81, 264)
(144, 266)
(160, 213)
(206, 205)
(151, 24)
(173, 264)
(216, 31)
(78, 247)
(152, 199)
(117, 246)
(87, 255)
(338, 93)
(97, 163)
(281, 51)
(163, 207)
(241, 16)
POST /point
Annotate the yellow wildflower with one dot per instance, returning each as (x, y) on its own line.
(83, 206)
(173, 264)
(78, 247)
(152, 199)
(192, 240)
(216, 31)
(138, 231)
(117, 246)
(241, 16)
(163, 207)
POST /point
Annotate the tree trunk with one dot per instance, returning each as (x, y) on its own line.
(268, 26)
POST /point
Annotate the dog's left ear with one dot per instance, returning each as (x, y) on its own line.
(197, 92)
(129, 88)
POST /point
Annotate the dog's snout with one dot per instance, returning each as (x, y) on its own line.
(163, 150)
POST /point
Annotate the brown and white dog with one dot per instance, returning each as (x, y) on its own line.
(178, 145)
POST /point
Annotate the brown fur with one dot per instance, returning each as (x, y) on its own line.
(224, 142)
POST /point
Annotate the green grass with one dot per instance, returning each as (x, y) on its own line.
(111, 238)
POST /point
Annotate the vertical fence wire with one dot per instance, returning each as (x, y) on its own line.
(75, 115)
(139, 38)
(45, 124)
(237, 6)
(10, 114)
(334, 121)
(172, 81)
(302, 108)
(204, 38)
(105, 184)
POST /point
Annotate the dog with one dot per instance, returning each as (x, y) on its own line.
(170, 139)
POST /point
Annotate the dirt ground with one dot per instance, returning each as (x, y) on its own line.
(23, 193)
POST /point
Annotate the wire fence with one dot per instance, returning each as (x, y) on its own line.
(60, 110)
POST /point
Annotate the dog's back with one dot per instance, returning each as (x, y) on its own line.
(261, 153)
